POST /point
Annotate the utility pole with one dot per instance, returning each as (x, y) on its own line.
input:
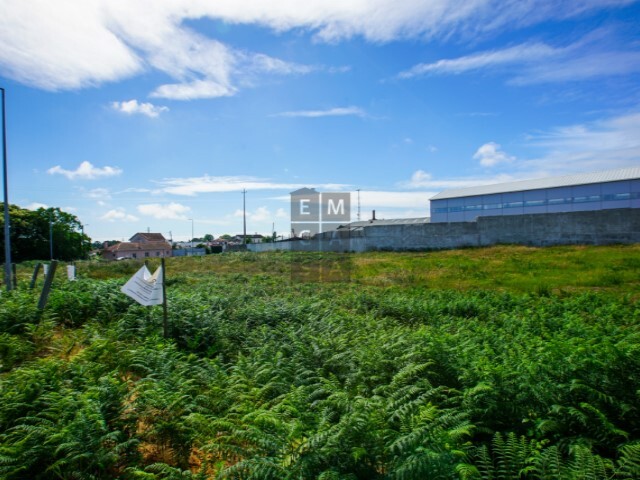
(191, 242)
(7, 236)
(358, 190)
(50, 236)
(82, 239)
(244, 216)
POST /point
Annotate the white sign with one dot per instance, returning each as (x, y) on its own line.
(144, 288)
(71, 272)
(45, 267)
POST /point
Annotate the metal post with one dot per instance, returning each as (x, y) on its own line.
(48, 280)
(50, 237)
(82, 240)
(165, 320)
(34, 278)
(244, 216)
(7, 237)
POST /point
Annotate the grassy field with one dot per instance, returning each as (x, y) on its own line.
(498, 363)
(505, 268)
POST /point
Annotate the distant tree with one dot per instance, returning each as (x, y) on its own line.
(31, 231)
(226, 236)
(208, 238)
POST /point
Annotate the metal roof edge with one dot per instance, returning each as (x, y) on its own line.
(629, 173)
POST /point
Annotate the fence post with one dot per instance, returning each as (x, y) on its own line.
(34, 277)
(47, 285)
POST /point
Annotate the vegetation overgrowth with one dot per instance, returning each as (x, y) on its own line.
(494, 363)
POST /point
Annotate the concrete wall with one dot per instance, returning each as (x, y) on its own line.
(569, 228)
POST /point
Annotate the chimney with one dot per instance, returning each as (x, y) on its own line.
(373, 215)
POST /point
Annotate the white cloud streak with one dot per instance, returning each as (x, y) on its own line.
(260, 214)
(332, 112)
(68, 44)
(170, 211)
(534, 63)
(99, 194)
(421, 180)
(132, 107)
(118, 215)
(379, 199)
(85, 171)
(206, 184)
(525, 53)
(605, 144)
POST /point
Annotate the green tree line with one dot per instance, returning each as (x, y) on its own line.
(32, 230)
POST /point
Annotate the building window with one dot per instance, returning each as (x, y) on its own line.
(513, 204)
(146, 254)
(469, 208)
(134, 255)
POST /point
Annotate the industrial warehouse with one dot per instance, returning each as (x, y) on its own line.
(596, 208)
(574, 193)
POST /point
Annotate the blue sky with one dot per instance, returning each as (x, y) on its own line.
(150, 113)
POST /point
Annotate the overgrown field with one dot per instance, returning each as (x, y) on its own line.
(495, 363)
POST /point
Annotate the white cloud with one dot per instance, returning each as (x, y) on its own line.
(100, 194)
(332, 112)
(132, 107)
(260, 214)
(532, 63)
(170, 211)
(36, 206)
(118, 215)
(605, 144)
(524, 53)
(68, 44)
(85, 171)
(62, 45)
(379, 199)
(207, 184)
(600, 145)
(491, 154)
(194, 90)
(421, 179)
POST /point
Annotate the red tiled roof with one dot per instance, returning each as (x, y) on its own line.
(151, 237)
(138, 246)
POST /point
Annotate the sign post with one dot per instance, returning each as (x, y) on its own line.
(165, 321)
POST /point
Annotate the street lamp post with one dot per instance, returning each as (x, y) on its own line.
(50, 236)
(7, 238)
(244, 216)
(82, 239)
